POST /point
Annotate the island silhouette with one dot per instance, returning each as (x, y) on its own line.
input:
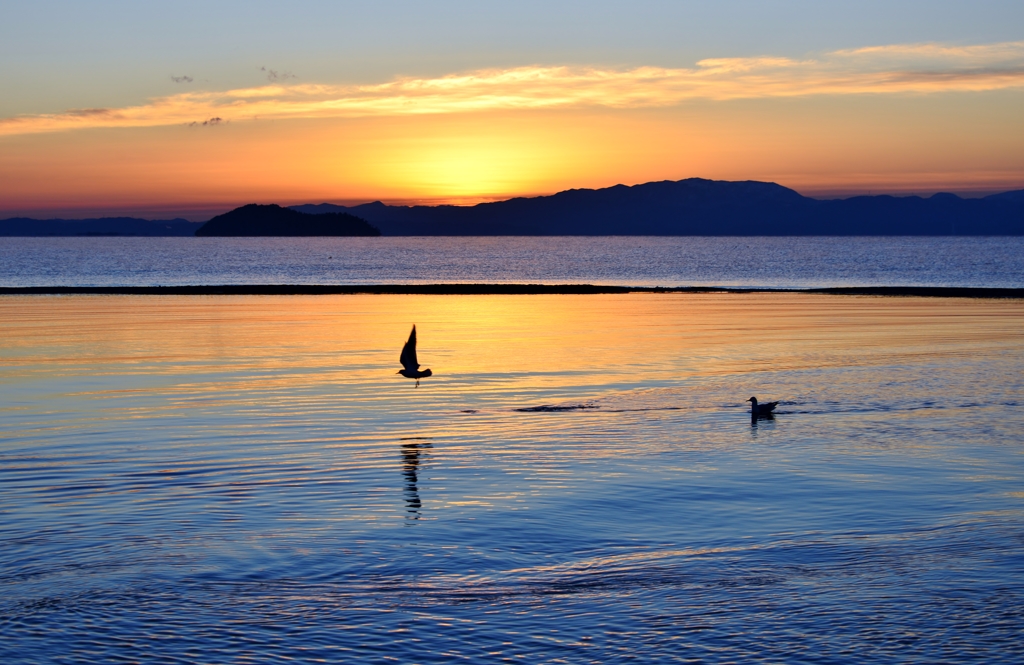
(691, 207)
(273, 220)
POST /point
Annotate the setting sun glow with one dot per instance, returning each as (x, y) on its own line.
(524, 116)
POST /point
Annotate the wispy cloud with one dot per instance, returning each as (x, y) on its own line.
(901, 68)
(274, 75)
(210, 122)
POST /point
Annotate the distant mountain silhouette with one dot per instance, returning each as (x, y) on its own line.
(694, 207)
(273, 220)
(102, 226)
(702, 208)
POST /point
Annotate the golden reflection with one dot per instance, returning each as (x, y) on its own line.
(273, 342)
(326, 363)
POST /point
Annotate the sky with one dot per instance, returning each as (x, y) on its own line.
(192, 108)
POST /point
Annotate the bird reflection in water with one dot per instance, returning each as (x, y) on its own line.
(412, 451)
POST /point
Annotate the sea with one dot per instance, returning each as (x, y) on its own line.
(804, 262)
(246, 479)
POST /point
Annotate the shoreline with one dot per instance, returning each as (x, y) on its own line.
(501, 289)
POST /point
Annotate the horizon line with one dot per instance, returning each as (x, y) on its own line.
(473, 288)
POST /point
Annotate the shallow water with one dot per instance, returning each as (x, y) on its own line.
(245, 479)
(633, 261)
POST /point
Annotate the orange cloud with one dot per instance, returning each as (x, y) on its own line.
(906, 68)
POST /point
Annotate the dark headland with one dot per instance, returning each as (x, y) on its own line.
(692, 207)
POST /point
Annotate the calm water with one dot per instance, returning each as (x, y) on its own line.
(641, 261)
(245, 479)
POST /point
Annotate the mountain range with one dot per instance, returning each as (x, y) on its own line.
(686, 207)
(702, 208)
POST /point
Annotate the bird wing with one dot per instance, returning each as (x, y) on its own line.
(408, 357)
(769, 406)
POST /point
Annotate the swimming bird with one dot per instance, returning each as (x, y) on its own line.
(411, 366)
(761, 409)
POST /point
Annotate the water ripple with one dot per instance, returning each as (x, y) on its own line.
(243, 480)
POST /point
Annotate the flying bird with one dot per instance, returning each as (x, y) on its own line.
(761, 409)
(410, 365)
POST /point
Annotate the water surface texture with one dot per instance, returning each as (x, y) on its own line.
(630, 261)
(246, 479)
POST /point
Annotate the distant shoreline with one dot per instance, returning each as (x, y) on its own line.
(498, 289)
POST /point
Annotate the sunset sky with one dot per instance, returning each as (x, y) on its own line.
(191, 108)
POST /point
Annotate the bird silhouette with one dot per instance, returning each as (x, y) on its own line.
(410, 365)
(761, 409)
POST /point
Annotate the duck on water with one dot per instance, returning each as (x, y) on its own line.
(761, 409)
